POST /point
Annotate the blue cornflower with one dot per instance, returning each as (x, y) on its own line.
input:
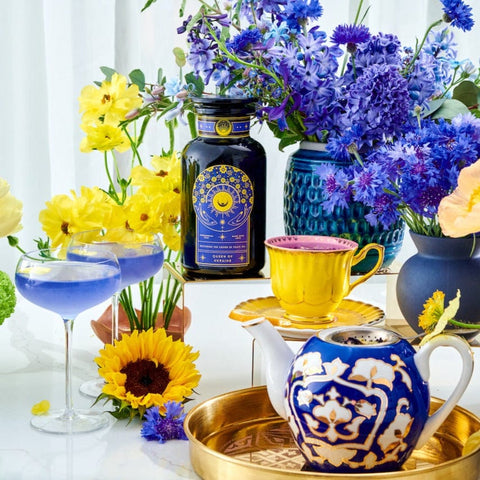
(162, 428)
(341, 147)
(369, 182)
(299, 12)
(383, 210)
(336, 188)
(245, 40)
(458, 14)
(351, 36)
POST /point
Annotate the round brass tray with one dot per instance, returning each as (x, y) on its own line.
(349, 312)
(238, 436)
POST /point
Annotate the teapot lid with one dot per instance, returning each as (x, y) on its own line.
(359, 336)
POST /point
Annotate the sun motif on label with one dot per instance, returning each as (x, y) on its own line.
(223, 127)
(227, 202)
(222, 201)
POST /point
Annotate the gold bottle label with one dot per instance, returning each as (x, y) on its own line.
(223, 127)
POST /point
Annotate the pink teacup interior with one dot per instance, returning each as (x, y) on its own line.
(311, 243)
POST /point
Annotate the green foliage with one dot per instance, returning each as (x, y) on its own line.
(449, 109)
(180, 57)
(195, 84)
(122, 410)
(149, 2)
(108, 72)
(138, 78)
(467, 93)
(8, 300)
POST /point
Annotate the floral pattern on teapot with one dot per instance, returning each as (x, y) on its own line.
(352, 414)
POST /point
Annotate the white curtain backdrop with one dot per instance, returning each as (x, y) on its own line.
(50, 49)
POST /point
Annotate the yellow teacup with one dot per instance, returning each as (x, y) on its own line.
(310, 274)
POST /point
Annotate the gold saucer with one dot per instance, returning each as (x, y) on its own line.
(349, 312)
(238, 435)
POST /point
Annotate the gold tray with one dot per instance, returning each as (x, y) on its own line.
(238, 436)
(349, 312)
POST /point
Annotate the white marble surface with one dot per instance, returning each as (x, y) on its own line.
(31, 369)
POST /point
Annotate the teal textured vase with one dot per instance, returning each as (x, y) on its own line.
(303, 213)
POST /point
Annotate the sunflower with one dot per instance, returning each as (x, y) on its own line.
(145, 369)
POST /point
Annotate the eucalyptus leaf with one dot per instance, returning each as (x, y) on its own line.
(467, 93)
(138, 78)
(180, 57)
(196, 82)
(451, 108)
(433, 106)
(108, 72)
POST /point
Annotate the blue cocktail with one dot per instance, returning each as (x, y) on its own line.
(67, 288)
(139, 256)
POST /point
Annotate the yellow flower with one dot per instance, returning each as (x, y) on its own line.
(66, 215)
(143, 213)
(110, 102)
(459, 212)
(41, 408)
(432, 311)
(165, 176)
(10, 211)
(148, 368)
(446, 314)
(104, 137)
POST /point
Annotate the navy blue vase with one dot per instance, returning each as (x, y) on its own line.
(303, 213)
(444, 264)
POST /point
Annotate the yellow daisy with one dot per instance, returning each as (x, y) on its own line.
(146, 369)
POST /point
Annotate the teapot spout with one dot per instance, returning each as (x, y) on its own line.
(278, 358)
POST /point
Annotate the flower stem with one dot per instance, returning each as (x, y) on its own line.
(410, 65)
(472, 326)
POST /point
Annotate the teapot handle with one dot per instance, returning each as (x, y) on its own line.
(422, 361)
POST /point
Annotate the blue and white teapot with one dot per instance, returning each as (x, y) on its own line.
(356, 398)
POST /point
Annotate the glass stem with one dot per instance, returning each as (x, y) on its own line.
(68, 323)
(115, 298)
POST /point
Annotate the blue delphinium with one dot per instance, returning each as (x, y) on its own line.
(161, 428)
(363, 94)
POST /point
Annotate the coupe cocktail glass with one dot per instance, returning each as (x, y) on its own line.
(68, 288)
(140, 257)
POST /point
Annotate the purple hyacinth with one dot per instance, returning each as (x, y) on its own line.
(379, 100)
(162, 428)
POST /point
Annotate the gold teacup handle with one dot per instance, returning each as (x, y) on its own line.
(358, 257)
